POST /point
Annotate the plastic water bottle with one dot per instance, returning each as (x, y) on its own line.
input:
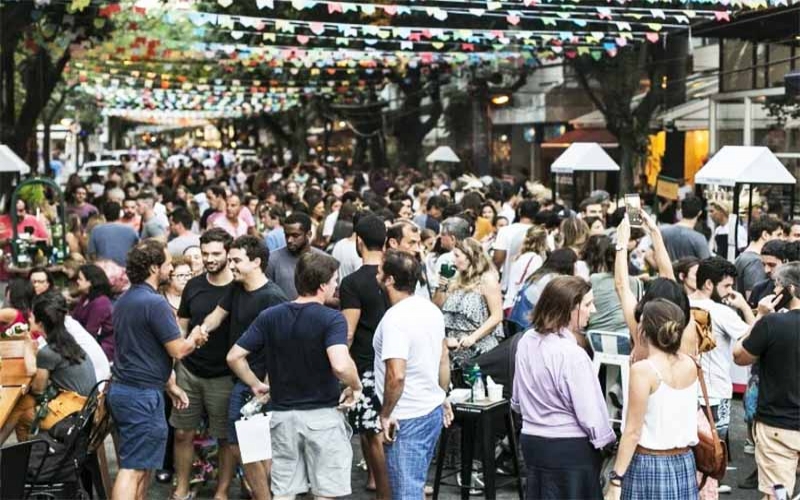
(478, 387)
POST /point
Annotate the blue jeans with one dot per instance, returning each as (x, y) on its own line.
(409, 457)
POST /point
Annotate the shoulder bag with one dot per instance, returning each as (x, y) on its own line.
(710, 456)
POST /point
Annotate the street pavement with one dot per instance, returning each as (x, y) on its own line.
(741, 465)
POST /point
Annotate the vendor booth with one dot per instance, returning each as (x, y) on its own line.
(738, 167)
(581, 157)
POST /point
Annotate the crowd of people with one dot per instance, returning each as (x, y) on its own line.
(352, 303)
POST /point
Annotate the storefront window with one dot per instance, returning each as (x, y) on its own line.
(779, 63)
(737, 64)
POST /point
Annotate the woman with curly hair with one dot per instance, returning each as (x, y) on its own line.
(472, 303)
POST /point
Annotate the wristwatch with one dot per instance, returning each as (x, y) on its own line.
(615, 479)
(620, 248)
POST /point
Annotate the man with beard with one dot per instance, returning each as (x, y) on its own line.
(147, 340)
(405, 237)
(205, 376)
(715, 294)
(363, 304)
(282, 262)
(130, 215)
(251, 293)
(412, 372)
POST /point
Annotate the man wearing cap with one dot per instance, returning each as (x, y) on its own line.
(722, 242)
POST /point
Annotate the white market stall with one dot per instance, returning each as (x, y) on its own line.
(11, 163)
(737, 166)
(444, 154)
(581, 157)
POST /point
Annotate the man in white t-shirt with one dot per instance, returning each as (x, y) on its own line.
(412, 370)
(715, 294)
(511, 238)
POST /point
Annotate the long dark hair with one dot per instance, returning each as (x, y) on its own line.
(663, 288)
(561, 261)
(20, 294)
(98, 279)
(50, 309)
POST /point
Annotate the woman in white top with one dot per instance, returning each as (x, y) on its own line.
(655, 460)
(530, 258)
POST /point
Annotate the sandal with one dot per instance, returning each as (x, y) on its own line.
(189, 496)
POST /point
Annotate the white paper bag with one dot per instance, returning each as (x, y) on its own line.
(255, 442)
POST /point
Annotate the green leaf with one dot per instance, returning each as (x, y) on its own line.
(99, 22)
(79, 5)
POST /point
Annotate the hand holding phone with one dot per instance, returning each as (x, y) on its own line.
(633, 207)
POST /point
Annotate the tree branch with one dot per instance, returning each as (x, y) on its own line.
(584, 83)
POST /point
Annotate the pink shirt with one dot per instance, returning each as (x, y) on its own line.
(239, 230)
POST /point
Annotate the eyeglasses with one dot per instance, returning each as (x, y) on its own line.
(182, 276)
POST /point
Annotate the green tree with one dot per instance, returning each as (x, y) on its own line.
(36, 45)
(652, 72)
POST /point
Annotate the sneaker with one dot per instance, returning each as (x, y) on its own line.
(750, 482)
(724, 489)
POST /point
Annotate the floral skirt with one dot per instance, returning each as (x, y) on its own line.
(364, 416)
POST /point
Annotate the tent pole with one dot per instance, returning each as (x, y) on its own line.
(749, 212)
(735, 216)
(574, 191)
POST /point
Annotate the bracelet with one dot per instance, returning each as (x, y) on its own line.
(615, 479)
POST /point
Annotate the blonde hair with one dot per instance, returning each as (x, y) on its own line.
(535, 241)
(574, 232)
(479, 264)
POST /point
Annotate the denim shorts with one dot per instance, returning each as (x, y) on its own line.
(240, 395)
(409, 457)
(142, 427)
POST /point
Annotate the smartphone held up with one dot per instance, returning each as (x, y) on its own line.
(633, 207)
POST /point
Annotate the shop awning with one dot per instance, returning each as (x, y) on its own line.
(744, 165)
(599, 136)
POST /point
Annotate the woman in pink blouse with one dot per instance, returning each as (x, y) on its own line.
(564, 415)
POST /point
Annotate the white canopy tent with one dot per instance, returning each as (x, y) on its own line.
(734, 166)
(11, 163)
(744, 165)
(443, 154)
(584, 157)
(581, 157)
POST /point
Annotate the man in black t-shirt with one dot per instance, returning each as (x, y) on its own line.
(774, 342)
(204, 375)
(250, 294)
(363, 304)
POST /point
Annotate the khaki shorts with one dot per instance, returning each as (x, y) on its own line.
(777, 454)
(206, 396)
(311, 447)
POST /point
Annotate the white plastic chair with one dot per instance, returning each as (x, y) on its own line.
(612, 349)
